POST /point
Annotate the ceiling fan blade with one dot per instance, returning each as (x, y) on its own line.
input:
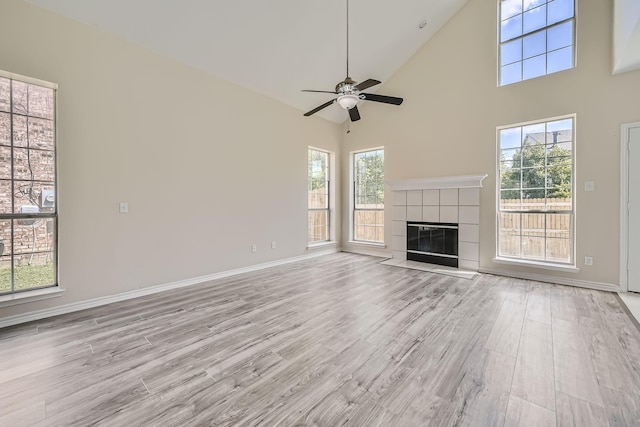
(354, 114)
(317, 91)
(382, 98)
(315, 110)
(367, 84)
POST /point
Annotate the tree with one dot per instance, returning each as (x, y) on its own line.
(369, 177)
(535, 167)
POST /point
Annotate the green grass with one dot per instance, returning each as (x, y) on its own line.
(27, 276)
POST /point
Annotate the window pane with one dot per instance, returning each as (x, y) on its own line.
(535, 44)
(533, 134)
(41, 134)
(5, 162)
(369, 225)
(533, 236)
(510, 179)
(560, 36)
(34, 258)
(511, 28)
(20, 98)
(509, 236)
(5, 129)
(5, 197)
(509, 8)
(534, 67)
(511, 52)
(31, 197)
(33, 165)
(40, 102)
(560, 10)
(318, 226)
(564, 126)
(558, 248)
(510, 199)
(5, 94)
(535, 19)
(530, 4)
(511, 138)
(511, 73)
(560, 60)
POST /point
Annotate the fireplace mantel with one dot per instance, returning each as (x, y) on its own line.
(465, 181)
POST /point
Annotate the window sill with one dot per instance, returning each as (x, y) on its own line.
(537, 264)
(370, 244)
(30, 296)
(321, 244)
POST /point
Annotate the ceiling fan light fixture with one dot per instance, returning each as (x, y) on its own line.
(348, 101)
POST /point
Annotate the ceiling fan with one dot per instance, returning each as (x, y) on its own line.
(349, 92)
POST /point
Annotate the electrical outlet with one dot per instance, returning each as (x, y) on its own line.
(254, 248)
(273, 245)
(588, 260)
(124, 207)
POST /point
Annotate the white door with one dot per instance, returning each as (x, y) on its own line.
(633, 278)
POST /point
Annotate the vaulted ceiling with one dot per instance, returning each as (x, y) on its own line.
(279, 47)
(275, 47)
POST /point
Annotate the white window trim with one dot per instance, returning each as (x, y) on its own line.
(352, 207)
(559, 266)
(47, 292)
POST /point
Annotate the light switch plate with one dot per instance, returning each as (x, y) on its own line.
(124, 207)
(589, 186)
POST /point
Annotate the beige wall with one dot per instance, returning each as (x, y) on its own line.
(207, 168)
(447, 124)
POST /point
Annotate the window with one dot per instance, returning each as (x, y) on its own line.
(368, 196)
(27, 184)
(318, 196)
(536, 38)
(536, 207)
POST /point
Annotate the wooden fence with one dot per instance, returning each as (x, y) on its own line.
(542, 236)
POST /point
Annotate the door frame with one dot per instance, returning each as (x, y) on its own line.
(624, 202)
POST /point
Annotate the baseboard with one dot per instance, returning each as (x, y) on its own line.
(599, 286)
(96, 302)
(364, 251)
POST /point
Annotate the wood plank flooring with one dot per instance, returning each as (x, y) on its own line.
(336, 340)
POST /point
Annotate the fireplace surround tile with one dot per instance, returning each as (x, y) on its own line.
(399, 198)
(414, 198)
(414, 213)
(399, 243)
(431, 213)
(399, 213)
(469, 233)
(449, 214)
(469, 214)
(469, 197)
(431, 197)
(399, 228)
(467, 251)
(449, 197)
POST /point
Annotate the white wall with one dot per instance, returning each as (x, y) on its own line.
(208, 168)
(447, 124)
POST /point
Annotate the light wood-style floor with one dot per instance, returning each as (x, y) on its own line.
(337, 340)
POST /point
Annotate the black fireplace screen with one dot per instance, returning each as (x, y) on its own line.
(433, 238)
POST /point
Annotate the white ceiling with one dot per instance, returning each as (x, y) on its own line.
(275, 47)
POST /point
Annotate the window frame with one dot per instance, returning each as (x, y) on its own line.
(44, 291)
(353, 195)
(545, 28)
(571, 264)
(329, 195)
